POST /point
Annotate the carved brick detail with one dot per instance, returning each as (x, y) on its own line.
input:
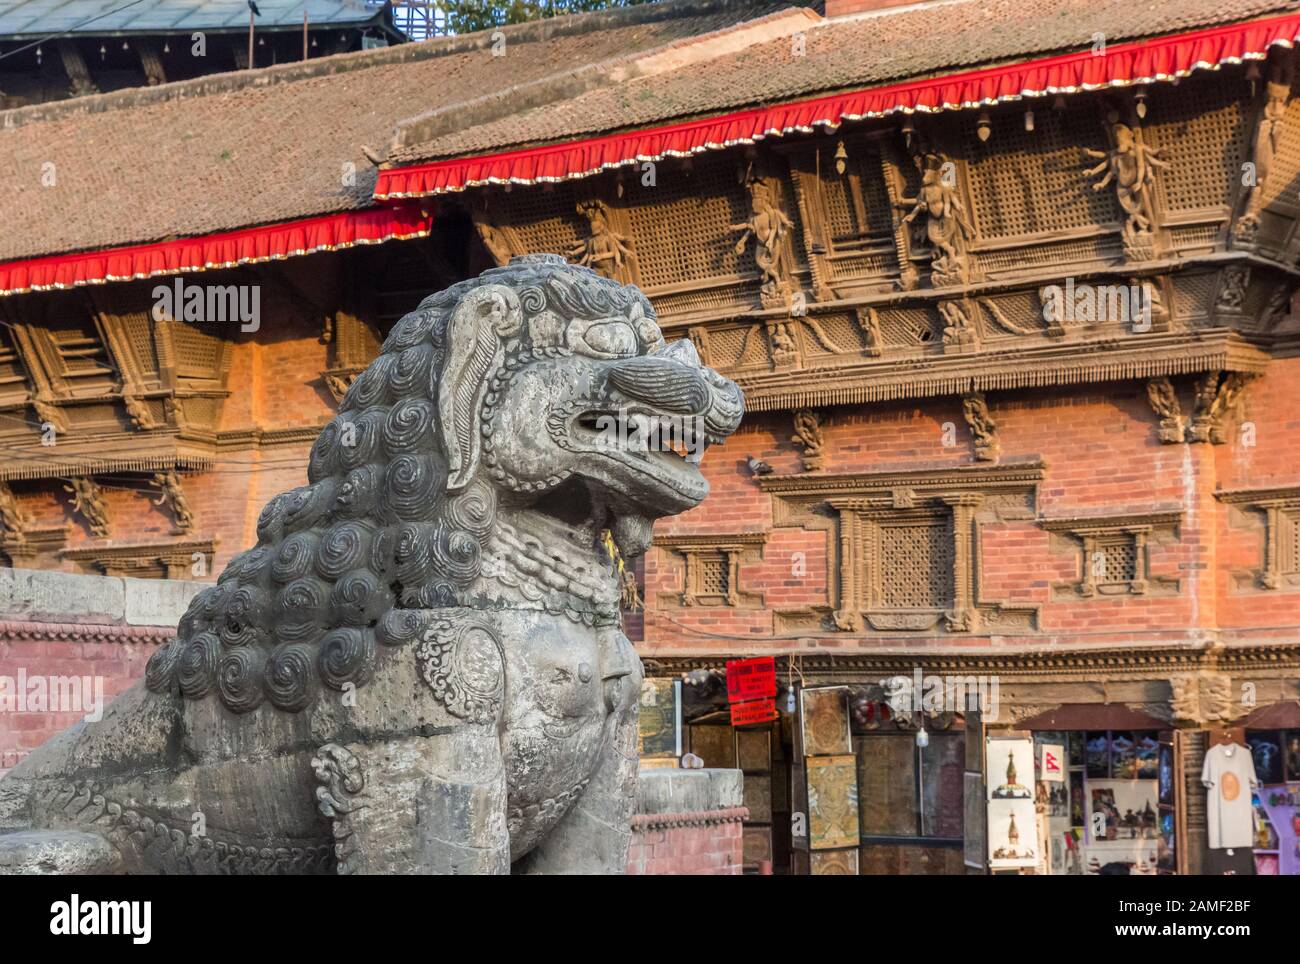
(187, 559)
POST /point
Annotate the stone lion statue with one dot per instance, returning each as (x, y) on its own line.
(419, 666)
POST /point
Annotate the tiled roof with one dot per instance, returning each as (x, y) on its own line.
(235, 150)
(24, 19)
(887, 46)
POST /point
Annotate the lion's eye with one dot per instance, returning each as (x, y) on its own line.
(611, 338)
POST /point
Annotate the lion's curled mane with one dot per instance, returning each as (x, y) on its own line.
(340, 562)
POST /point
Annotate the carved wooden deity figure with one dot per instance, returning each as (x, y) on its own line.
(946, 226)
(1131, 166)
(770, 229)
(604, 251)
(1268, 136)
(419, 667)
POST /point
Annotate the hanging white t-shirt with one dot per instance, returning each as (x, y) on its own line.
(1229, 773)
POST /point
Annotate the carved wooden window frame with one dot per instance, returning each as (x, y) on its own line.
(1094, 536)
(726, 550)
(1280, 512)
(972, 495)
(861, 589)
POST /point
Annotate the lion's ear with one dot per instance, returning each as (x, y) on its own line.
(475, 345)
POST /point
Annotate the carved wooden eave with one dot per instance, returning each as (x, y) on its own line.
(1013, 475)
(170, 560)
(1120, 358)
(1080, 662)
(81, 455)
(871, 290)
(729, 540)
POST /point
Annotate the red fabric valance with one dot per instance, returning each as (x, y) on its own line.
(1142, 62)
(271, 242)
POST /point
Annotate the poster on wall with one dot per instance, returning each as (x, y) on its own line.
(825, 715)
(1012, 834)
(1123, 825)
(659, 722)
(834, 863)
(1010, 773)
(1052, 765)
(1122, 810)
(832, 802)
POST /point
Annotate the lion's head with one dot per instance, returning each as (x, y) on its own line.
(538, 387)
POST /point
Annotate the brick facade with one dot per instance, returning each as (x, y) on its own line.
(1101, 456)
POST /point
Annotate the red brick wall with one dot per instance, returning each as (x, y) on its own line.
(1102, 456)
(706, 842)
(114, 654)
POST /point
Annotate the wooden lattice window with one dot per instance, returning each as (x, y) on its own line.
(1114, 561)
(1031, 184)
(915, 564)
(712, 567)
(1113, 552)
(1200, 130)
(712, 574)
(906, 564)
(683, 225)
(1290, 562)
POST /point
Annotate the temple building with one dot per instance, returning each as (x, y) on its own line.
(55, 49)
(1009, 290)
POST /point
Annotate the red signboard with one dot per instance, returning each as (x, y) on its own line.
(755, 711)
(751, 679)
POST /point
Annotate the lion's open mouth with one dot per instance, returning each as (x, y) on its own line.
(667, 449)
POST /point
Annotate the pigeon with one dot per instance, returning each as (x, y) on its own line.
(759, 467)
(253, 7)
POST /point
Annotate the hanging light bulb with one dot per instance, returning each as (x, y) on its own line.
(909, 129)
(789, 700)
(167, 47)
(841, 157)
(38, 55)
(313, 41)
(1253, 75)
(261, 41)
(1029, 120)
(984, 126)
(103, 51)
(1140, 98)
(922, 737)
(125, 45)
